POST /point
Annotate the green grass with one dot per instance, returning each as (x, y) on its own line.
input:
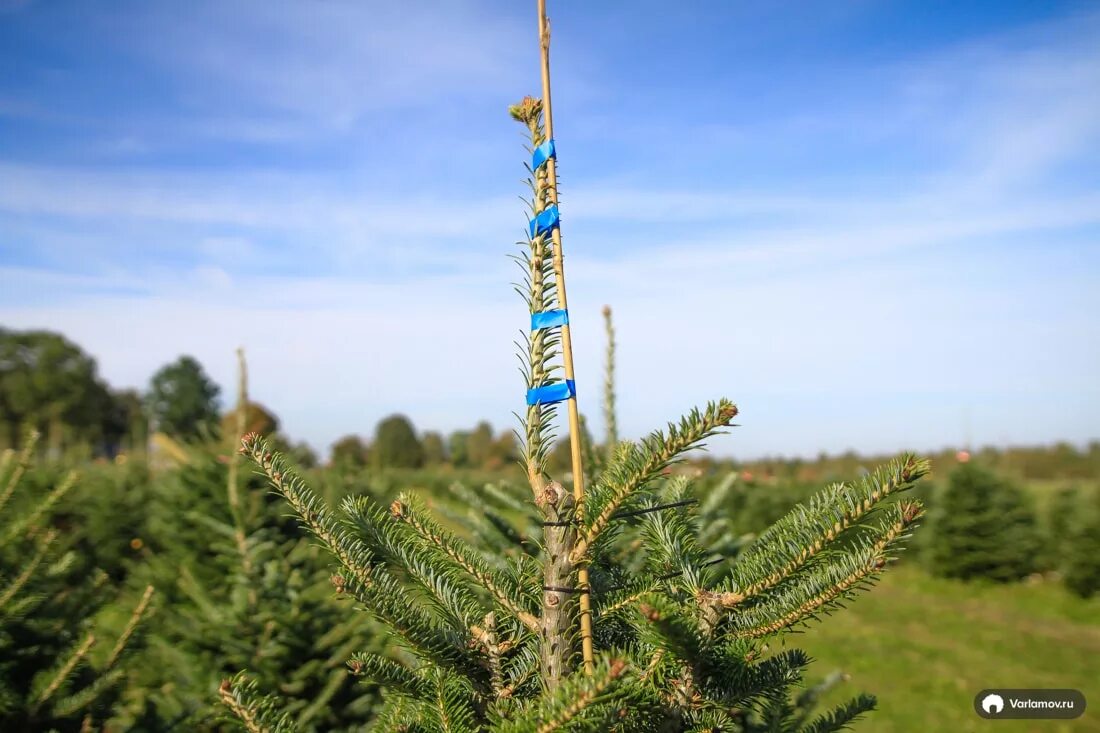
(926, 647)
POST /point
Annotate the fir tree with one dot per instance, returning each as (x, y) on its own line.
(245, 588)
(599, 610)
(63, 658)
(1081, 549)
(982, 527)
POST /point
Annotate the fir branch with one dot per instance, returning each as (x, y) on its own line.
(311, 511)
(257, 713)
(21, 580)
(506, 594)
(793, 541)
(839, 717)
(128, 631)
(378, 591)
(406, 550)
(19, 467)
(450, 706)
(388, 674)
(42, 509)
(63, 673)
(822, 589)
(580, 702)
(635, 466)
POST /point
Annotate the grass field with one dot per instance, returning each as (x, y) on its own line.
(926, 647)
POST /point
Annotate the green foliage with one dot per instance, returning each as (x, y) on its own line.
(182, 400)
(1081, 558)
(435, 452)
(349, 452)
(488, 605)
(258, 419)
(246, 591)
(982, 527)
(49, 384)
(396, 445)
(63, 658)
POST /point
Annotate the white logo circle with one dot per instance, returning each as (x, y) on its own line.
(993, 704)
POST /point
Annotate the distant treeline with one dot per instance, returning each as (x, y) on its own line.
(49, 383)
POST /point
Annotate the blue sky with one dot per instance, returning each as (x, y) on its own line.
(873, 225)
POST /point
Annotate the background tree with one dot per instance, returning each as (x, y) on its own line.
(982, 526)
(349, 452)
(132, 421)
(479, 446)
(182, 399)
(458, 448)
(435, 452)
(258, 419)
(48, 383)
(1081, 558)
(396, 445)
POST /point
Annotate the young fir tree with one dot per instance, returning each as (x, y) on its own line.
(65, 641)
(982, 526)
(605, 613)
(1080, 561)
(245, 588)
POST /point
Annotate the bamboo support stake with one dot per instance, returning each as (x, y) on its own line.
(566, 344)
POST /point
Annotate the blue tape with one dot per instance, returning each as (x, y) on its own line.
(543, 153)
(549, 319)
(545, 221)
(551, 393)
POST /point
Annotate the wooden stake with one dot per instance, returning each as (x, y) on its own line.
(566, 345)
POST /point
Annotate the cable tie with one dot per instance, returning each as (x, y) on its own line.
(549, 319)
(546, 220)
(543, 153)
(550, 394)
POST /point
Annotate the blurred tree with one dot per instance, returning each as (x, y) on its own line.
(1081, 561)
(349, 452)
(396, 444)
(982, 527)
(131, 420)
(258, 419)
(458, 448)
(434, 450)
(480, 445)
(49, 383)
(504, 450)
(182, 400)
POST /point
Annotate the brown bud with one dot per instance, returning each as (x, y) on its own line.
(397, 509)
(338, 582)
(617, 667)
(727, 413)
(355, 665)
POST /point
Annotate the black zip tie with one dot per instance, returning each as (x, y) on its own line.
(557, 589)
(670, 576)
(636, 512)
(564, 523)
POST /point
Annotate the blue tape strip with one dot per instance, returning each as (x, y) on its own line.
(549, 319)
(545, 221)
(543, 153)
(552, 393)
